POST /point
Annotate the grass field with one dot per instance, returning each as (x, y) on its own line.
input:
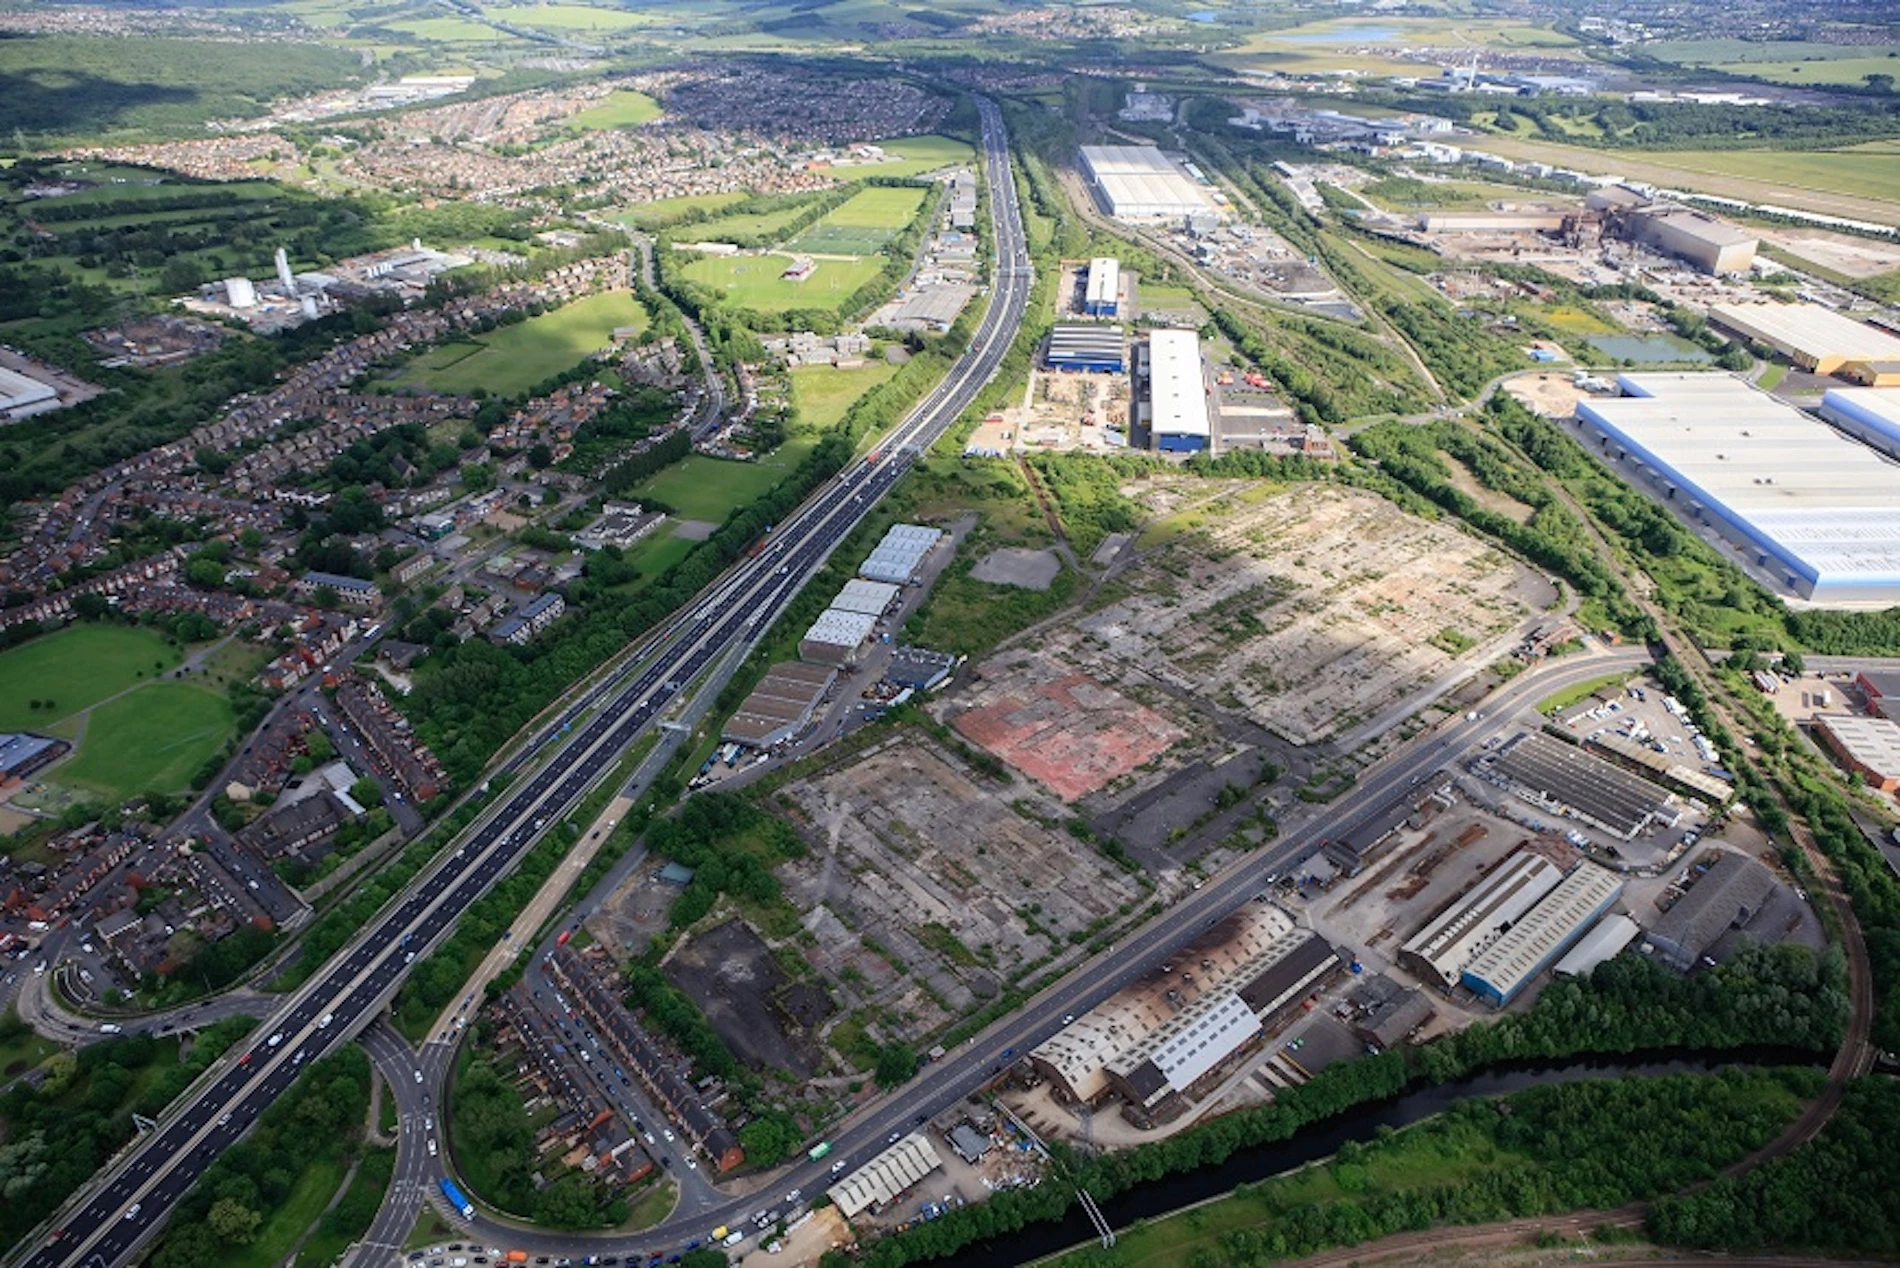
(512, 359)
(1401, 193)
(744, 226)
(284, 1224)
(703, 488)
(1832, 182)
(916, 155)
(23, 1051)
(655, 214)
(451, 30)
(822, 393)
(753, 281)
(1785, 61)
(619, 110)
(75, 669)
(570, 17)
(326, 1246)
(1360, 44)
(154, 738)
(863, 223)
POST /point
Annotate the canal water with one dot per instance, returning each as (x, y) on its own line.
(1323, 1139)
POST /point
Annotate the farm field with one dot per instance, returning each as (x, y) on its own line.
(619, 110)
(154, 738)
(753, 281)
(655, 214)
(822, 393)
(1360, 44)
(1831, 182)
(511, 359)
(1785, 61)
(863, 224)
(76, 669)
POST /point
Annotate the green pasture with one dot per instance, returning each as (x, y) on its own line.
(154, 738)
(570, 17)
(663, 211)
(822, 393)
(743, 225)
(699, 487)
(618, 110)
(915, 156)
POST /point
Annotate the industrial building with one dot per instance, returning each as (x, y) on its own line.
(1661, 767)
(1491, 221)
(898, 556)
(1139, 182)
(1191, 1043)
(1568, 781)
(1820, 512)
(1097, 349)
(836, 638)
(1101, 296)
(1384, 1013)
(1870, 747)
(1531, 945)
(1603, 943)
(1881, 690)
(870, 597)
(1872, 373)
(1811, 337)
(1694, 237)
(780, 706)
(886, 1177)
(919, 668)
(1229, 960)
(1869, 415)
(1730, 894)
(23, 396)
(1439, 952)
(1171, 392)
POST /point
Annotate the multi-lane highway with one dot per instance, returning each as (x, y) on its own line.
(130, 1200)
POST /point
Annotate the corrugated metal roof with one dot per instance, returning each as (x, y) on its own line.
(1176, 385)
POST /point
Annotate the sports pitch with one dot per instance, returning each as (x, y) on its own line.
(755, 281)
(863, 223)
(149, 740)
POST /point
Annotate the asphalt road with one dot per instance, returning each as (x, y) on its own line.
(115, 1215)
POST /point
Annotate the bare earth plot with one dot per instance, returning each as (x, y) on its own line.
(1311, 609)
(1072, 735)
(940, 867)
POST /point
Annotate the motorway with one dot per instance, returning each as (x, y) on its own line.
(122, 1208)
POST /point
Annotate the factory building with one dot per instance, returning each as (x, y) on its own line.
(1599, 946)
(1097, 349)
(1101, 296)
(836, 638)
(1531, 945)
(22, 396)
(1694, 237)
(1439, 952)
(1491, 221)
(1229, 960)
(872, 597)
(1140, 183)
(1869, 415)
(1819, 512)
(1566, 780)
(897, 557)
(1870, 747)
(780, 706)
(1171, 391)
(1730, 894)
(1811, 337)
(1872, 373)
(1881, 690)
(1192, 1042)
(886, 1177)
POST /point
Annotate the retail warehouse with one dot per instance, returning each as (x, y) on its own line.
(902, 551)
(780, 706)
(1101, 295)
(1139, 182)
(886, 1177)
(1817, 510)
(1569, 781)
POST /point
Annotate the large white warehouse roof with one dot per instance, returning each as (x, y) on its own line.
(1819, 509)
(1178, 388)
(1871, 413)
(1139, 182)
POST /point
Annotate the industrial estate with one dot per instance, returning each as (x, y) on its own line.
(849, 635)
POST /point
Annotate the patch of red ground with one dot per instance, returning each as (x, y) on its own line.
(1072, 735)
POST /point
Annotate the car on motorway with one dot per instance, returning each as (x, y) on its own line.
(132, 1212)
(419, 1078)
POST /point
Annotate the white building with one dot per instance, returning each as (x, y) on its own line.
(22, 396)
(1139, 182)
(1176, 392)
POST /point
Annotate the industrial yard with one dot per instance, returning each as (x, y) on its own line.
(1313, 611)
